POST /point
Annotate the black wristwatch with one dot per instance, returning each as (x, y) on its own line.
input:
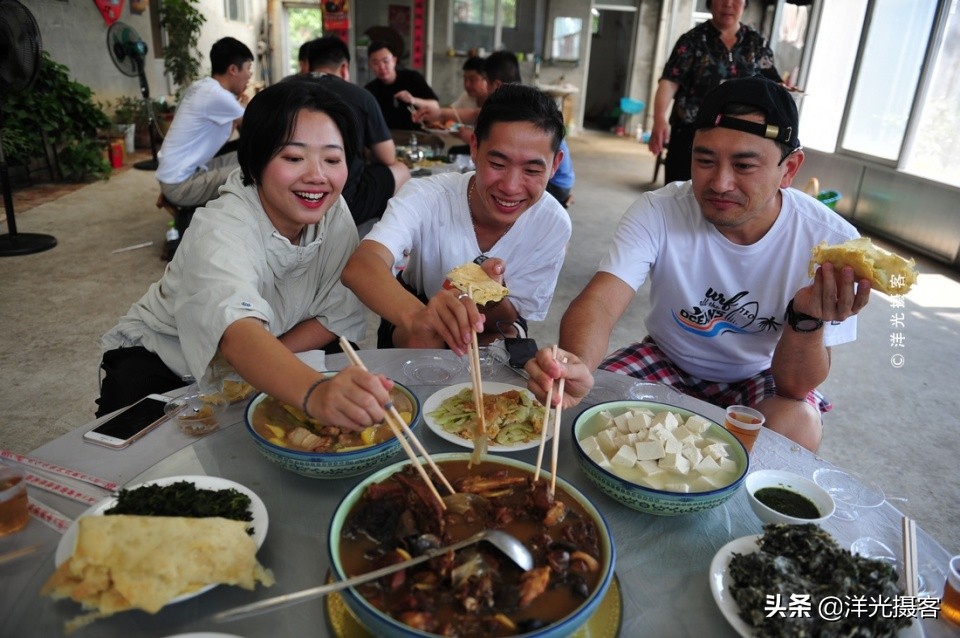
(801, 322)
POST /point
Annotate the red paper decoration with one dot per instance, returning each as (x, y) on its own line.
(109, 9)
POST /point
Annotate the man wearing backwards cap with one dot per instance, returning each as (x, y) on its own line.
(735, 318)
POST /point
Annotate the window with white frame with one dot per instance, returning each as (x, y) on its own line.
(235, 10)
(478, 24)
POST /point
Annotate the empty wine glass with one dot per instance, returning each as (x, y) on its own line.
(850, 492)
(929, 575)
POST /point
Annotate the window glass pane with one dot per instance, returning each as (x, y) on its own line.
(935, 152)
(303, 24)
(831, 68)
(887, 80)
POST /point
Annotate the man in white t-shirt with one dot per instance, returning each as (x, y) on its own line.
(189, 169)
(735, 318)
(498, 217)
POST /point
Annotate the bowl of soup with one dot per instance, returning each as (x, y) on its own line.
(301, 444)
(778, 496)
(475, 591)
(657, 458)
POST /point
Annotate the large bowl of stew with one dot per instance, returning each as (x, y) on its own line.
(295, 442)
(476, 591)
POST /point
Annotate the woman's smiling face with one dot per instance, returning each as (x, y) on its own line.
(304, 179)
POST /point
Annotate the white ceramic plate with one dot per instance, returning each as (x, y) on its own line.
(257, 508)
(489, 387)
(720, 583)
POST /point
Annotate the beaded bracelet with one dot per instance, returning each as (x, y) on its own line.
(306, 397)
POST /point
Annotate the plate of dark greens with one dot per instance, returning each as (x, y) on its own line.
(798, 560)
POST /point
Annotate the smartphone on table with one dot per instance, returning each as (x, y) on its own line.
(130, 424)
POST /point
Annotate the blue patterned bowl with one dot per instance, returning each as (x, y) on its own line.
(332, 465)
(381, 624)
(647, 499)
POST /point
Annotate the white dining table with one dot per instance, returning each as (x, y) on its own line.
(662, 565)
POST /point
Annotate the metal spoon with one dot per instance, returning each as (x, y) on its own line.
(506, 543)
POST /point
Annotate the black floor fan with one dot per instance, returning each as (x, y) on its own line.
(129, 52)
(19, 66)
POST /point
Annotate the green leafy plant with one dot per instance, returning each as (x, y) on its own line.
(133, 110)
(60, 112)
(182, 21)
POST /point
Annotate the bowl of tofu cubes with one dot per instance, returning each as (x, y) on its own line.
(658, 458)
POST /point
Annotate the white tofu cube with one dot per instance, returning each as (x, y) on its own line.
(708, 466)
(668, 419)
(589, 444)
(682, 488)
(675, 462)
(621, 421)
(649, 468)
(606, 439)
(664, 435)
(672, 446)
(692, 454)
(638, 422)
(626, 456)
(681, 432)
(712, 481)
(716, 451)
(655, 428)
(598, 457)
(727, 464)
(649, 450)
(604, 419)
(697, 423)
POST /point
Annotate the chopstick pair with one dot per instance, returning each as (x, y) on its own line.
(910, 556)
(480, 439)
(555, 451)
(400, 428)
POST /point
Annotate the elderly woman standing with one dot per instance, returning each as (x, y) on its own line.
(257, 276)
(717, 50)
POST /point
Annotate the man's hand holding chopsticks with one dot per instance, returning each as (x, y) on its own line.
(546, 370)
(352, 399)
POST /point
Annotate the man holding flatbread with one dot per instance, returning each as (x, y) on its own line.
(497, 217)
(735, 317)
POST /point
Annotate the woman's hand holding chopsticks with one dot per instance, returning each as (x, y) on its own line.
(545, 372)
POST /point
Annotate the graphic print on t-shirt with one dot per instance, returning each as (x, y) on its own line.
(718, 313)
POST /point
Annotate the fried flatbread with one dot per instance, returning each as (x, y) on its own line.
(471, 276)
(126, 562)
(889, 273)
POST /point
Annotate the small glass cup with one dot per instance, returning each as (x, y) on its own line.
(744, 423)
(14, 515)
(950, 603)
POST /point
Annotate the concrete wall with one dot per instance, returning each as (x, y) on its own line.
(75, 34)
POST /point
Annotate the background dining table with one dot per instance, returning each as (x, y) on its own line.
(662, 567)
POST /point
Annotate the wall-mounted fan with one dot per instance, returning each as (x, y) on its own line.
(19, 65)
(129, 53)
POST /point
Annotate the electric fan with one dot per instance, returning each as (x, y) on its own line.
(128, 52)
(19, 66)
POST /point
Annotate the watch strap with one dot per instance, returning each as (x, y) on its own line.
(801, 322)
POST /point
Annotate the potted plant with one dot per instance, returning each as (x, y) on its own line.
(182, 21)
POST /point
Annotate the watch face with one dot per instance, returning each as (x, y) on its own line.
(807, 325)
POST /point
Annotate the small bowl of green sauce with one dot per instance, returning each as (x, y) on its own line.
(777, 496)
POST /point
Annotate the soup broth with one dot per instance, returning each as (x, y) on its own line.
(285, 425)
(479, 591)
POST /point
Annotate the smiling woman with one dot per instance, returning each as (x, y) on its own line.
(257, 278)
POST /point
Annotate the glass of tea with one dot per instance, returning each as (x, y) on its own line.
(744, 423)
(13, 500)
(950, 604)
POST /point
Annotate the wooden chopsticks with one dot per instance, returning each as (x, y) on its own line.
(400, 428)
(910, 556)
(480, 438)
(555, 451)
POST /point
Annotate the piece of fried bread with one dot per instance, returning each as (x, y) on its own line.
(470, 276)
(123, 562)
(889, 273)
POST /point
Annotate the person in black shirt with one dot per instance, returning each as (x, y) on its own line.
(390, 81)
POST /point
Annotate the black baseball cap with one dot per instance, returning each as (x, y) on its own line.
(782, 118)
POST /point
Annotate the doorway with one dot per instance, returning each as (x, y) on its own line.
(611, 47)
(302, 22)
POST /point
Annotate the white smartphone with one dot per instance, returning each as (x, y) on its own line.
(133, 422)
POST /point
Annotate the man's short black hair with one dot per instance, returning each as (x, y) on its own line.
(328, 51)
(270, 118)
(227, 51)
(503, 66)
(475, 63)
(520, 103)
(379, 45)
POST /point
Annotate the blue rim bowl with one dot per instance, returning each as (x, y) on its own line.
(647, 499)
(381, 624)
(330, 465)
